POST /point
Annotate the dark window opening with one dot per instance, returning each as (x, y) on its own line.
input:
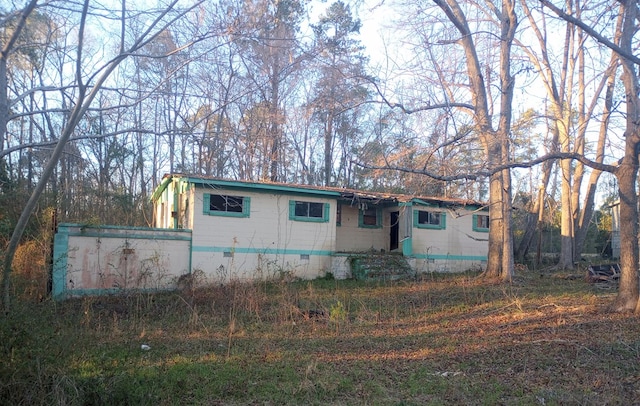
(231, 204)
(429, 217)
(309, 209)
(482, 221)
(370, 217)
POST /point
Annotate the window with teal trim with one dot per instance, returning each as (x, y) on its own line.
(300, 210)
(370, 218)
(481, 223)
(434, 220)
(226, 205)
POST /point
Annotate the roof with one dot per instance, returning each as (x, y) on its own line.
(327, 191)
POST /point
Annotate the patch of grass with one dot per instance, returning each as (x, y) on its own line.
(443, 339)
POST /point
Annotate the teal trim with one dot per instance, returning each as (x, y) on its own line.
(275, 251)
(378, 219)
(100, 234)
(292, 209)
(325, 213)
(112, 291)
(127, 228)
(190, 270)
(175, 213)
(475, 224)
(440, 203)
(423, 203)
(60, 255)
(246, 206)
(441, 226)
(161, 188)
(451, 257)
(407, 246)
(262, 187)
(206, 205)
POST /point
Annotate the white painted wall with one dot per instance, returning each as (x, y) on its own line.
(352, 238)
(91, 260)
(263, 245)
(454, 249)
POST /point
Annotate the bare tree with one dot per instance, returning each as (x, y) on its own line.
(492, 130)
(7, 48)
(626, 171)
(565, 84)
(88, 86)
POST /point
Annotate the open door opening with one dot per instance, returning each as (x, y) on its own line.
(394, 237)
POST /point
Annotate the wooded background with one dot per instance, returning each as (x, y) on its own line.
(288, 91)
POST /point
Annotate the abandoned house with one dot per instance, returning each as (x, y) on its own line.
(240, 230)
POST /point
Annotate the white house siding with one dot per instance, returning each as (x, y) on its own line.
(456, 248)
(110, 259)
(350, 237)
(163, 207)
(265, 244)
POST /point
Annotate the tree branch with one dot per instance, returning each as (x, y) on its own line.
(487, 173)
(427, 107)
(589, 30)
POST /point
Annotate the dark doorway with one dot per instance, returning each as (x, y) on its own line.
(395, 230)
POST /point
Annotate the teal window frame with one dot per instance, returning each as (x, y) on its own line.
(441, 226)
(326, 207)
(206, 206)
(475, 223)
(361, 214)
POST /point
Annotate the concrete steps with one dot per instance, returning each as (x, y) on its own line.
(384, 266)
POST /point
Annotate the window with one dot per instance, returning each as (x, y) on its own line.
(225, 205)
(429, 219)
(480, 222)
(308, 211)
(339, 215)
(370, 218)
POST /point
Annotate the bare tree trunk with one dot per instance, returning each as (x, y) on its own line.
(627, 299)
(535, 215)
(500, 256)
(328, 148)
(627, 173)
(274, 127)
(4, 55)
(86, 94)
(508, 23)
(589, 200)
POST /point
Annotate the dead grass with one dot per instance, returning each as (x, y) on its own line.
(442, 340)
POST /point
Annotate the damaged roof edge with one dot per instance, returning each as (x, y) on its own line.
(327, 191)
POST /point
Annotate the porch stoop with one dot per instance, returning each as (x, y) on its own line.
(371, 265)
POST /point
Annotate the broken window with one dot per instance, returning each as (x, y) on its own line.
(429, 219)
(480, 222)
(226, 205)
(370, 217)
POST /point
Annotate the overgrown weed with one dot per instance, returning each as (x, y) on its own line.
(445, 339)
